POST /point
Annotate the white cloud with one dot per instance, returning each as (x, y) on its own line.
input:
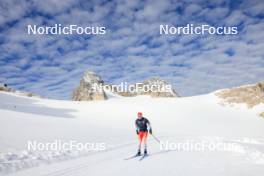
(132, 49)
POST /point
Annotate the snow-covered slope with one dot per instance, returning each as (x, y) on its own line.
(199, 119)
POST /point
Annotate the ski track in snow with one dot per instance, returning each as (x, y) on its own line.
(9, 161)
(250, 149)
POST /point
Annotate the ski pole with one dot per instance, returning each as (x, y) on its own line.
(155, 138)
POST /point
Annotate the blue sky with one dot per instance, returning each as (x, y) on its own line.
(132, 50)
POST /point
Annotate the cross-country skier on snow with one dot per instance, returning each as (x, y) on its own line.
(142, 129)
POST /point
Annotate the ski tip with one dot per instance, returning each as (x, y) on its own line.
(135, 156)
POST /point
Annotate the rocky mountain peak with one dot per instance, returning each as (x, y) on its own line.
(154, 87)
(161, 88)
(251, 95)
(87, 90)
(91, 77)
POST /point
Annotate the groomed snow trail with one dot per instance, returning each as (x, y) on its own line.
(199, 119)
(249, 159)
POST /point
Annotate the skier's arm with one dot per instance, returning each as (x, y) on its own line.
(137, 129)
(149, 127)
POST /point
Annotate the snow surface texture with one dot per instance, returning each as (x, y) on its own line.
(200, 118)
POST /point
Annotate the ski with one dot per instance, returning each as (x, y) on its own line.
(134, 156)
(144, 156)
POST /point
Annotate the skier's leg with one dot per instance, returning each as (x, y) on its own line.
(145, 142)
(140, 137)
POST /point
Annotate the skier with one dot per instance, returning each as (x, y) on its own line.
(142, 128)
